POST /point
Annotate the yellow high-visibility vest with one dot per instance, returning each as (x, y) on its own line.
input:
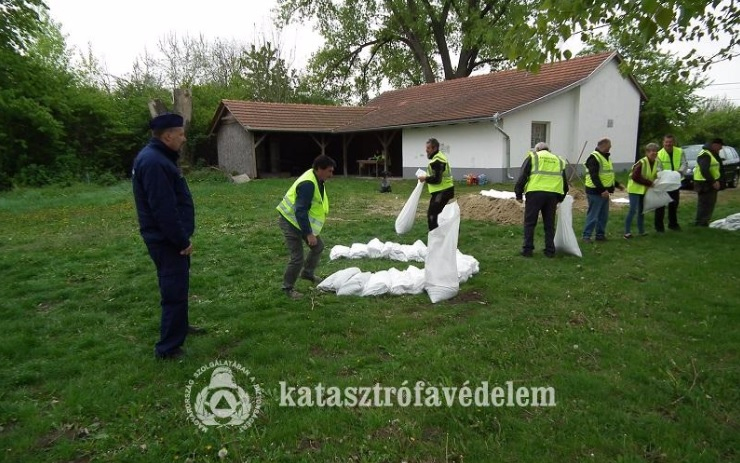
(606, 171)
(647, 172)
(446, 174)
(319, 204)
(547, 172)
(713, 167)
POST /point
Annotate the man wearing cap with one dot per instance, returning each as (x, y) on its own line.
(301, 216)
(166, 221)
(707, 175)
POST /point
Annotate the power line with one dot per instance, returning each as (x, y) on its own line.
(723, 83)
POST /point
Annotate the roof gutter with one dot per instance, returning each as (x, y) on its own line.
(496, 118)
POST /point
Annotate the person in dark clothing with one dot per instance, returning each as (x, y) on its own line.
(439, 182)
(707, 175)
(166, 216)
(600, 182)
(303, 212)
(542, 178)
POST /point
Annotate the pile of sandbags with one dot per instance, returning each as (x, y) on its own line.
(731, 223)
(354, 282)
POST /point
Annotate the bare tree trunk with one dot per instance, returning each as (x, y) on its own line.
(183, 105)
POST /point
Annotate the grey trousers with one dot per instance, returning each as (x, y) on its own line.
(294, 242)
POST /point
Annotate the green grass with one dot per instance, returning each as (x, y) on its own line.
(639, 339)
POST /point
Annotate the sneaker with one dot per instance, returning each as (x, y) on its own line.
(587, 240)
(549, 255)
(675, 227)
(526, 253)
(628, 236)
(601, 238)
(643, 234)
(292, 293)
(312, 278)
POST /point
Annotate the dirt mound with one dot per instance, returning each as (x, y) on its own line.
(479, 207)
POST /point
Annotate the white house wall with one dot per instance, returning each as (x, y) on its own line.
(470, 147)
(576, 117)
(608, 96)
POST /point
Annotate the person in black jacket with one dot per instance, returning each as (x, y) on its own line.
(707, 180)
(166, 215)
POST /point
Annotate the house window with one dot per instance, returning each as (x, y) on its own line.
(539, 132)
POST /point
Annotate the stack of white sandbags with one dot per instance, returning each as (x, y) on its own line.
(731, 223)
(354, 282)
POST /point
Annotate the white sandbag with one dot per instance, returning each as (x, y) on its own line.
(565, 237)
(358, 251)
(355, 285)
(379, 283)
(668, 180)
(499, 194)
(441, 263)
(400, 281)
(337, 279)
(655, 199)
(405, 219)
(374, 248)
(731, 223)
(416, 279)
(388, 246)
(467, 266)
(338, 252)
(397, 253)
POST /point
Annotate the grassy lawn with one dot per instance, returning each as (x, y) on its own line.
(640, 339)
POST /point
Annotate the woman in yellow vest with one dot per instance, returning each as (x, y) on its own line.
(644, 172)
(303, 212)
(439, 182)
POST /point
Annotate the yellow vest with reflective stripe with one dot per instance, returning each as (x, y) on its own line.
(713, 167)
(606, 171)
(665, 158)
(547, 172)
(446, 174)
(647, 172)
(319, 205)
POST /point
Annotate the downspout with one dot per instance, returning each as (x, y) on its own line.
(496, 120)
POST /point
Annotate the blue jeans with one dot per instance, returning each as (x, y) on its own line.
(636, 202)
(597, 216)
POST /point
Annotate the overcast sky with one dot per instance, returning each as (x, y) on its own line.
(119, 31)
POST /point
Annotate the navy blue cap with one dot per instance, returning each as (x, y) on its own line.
(166, 121)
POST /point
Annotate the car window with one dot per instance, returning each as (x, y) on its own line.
(691, 151)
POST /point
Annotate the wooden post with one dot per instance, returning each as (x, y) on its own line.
(346, 140)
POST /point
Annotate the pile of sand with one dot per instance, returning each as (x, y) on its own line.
(479, 207)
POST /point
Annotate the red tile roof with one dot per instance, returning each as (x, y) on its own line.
(288, 117)
(471, 98)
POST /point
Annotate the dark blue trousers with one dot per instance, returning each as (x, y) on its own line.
(173, 272)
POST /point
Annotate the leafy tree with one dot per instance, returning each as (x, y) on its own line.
(406, 42)
(716, 118)
(668, 82)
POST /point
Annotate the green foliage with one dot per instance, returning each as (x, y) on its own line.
(716, 119)
(669, 85)
(406, 42)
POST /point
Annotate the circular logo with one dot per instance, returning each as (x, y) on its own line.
(228, 396)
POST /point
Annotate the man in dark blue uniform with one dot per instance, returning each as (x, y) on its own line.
(166, 222)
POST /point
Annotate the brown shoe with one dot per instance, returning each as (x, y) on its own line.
(292, 293)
